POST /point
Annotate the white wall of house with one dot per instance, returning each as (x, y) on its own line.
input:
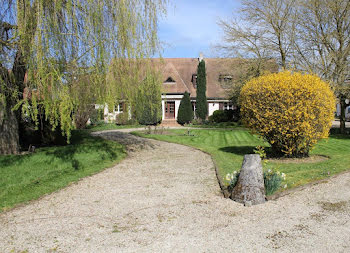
(212, 106)
(163, 109)
(177, 105)
(110, 117)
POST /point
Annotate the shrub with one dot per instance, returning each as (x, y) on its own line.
(97, 117)
(185, 113)
(122, 118)
(222, 116)
(291, 111)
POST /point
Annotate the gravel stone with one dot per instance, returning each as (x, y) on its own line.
(165, 198)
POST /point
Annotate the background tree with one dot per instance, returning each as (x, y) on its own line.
(201, 99)
(185, 113)
(46, 43)
(322, 44)
(265, 29)
(307, 35)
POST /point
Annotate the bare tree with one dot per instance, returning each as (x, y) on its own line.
(266, 30)
(322, 44)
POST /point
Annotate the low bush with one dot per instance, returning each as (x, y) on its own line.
(220, 116)
(122, 119)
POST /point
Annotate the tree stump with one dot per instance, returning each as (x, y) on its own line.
(250, 189)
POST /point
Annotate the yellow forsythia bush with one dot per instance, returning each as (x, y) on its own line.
(290, 110)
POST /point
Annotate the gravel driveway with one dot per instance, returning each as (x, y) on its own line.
(165, 198)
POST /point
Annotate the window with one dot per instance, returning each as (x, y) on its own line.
(225, 78)
(169, 80)
(194, 80)
(121, 107)
(228, 106)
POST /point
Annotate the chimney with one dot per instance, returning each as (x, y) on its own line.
(200, 57)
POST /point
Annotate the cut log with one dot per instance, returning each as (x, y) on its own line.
(250, 189)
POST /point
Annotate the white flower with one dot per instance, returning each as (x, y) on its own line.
(228, 177)
(235, 172)
(283, 176)
(285, 186)
(269, 171)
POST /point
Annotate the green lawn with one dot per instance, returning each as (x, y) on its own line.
(217, 125)
(228, 147)
(27, 177)
(111, 126)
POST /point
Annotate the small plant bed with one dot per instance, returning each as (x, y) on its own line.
(30, 176)
(227, 147)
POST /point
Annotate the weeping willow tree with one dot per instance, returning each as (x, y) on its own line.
(49, 48)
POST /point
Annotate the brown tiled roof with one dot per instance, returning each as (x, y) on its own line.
(182, 69)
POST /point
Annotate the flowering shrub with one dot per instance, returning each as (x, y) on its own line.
(290, 110)
(273, 180)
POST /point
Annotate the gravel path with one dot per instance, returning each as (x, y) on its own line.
(165, 198)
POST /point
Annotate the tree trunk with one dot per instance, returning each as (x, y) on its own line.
(250, 189)
(342, 115)
(9, 138)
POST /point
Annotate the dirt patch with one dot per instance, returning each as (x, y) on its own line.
(132, 143)
(310, 159)
(335, 206)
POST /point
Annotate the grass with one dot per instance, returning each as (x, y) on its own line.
(228, 125)
(228, 147)
(110, 126)
(27, 177)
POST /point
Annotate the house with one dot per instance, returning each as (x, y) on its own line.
(180, 75)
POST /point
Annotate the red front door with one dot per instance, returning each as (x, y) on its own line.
(170, 110)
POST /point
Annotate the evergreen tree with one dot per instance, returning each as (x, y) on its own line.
(185, 113)
(201, 99)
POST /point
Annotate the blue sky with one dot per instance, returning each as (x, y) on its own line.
(190, 26)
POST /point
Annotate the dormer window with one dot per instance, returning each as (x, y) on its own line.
(225, 78)
(194, 80)
(169, 80)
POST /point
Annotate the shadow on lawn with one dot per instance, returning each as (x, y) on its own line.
(105, 151)
(8, 160)
(81, 144)
(239, 150)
